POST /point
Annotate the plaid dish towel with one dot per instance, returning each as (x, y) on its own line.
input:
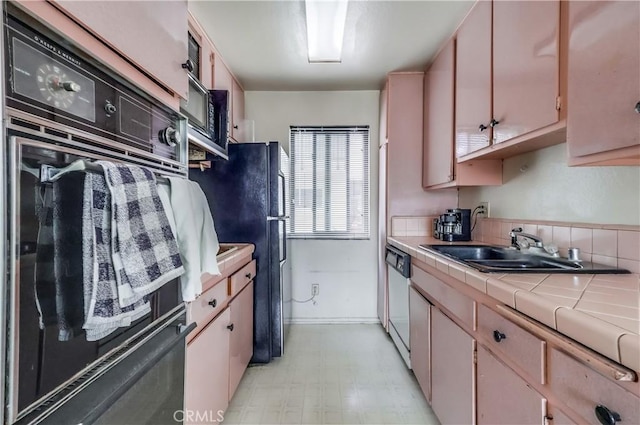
(145, 252)
(102, 310)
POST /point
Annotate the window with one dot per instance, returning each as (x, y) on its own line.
(329, 182)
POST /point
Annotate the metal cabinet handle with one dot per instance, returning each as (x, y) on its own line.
(498, 336)
(482, 127)
(493, 123)
(213, 303)
(230, 327)
(606, 416)
(638, 107)
(248, 275)
(188, 65)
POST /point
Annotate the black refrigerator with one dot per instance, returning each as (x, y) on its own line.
(246, 195)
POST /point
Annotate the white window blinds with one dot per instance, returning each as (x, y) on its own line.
(329, 182)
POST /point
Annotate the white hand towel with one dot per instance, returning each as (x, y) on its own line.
(195, 233)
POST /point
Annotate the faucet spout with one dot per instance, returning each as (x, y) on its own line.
(514, 233)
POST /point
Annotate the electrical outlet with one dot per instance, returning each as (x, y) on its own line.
(487, 211)
(315, 289)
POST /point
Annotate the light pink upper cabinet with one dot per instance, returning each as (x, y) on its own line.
(207, 369)
(420, 340)
(504, 397)
(440, 167)
(405, 116)
(237, 112)
(452, 371)
(151, 34)
(222, 77)
(473, 80)
(525, 67)
(438, 125)
(241, 338)
(604, 77)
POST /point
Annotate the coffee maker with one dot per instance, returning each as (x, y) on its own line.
(453, 226)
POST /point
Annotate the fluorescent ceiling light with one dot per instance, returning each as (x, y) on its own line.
(325, 29)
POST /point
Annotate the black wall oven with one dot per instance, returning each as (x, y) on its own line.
(61, 107)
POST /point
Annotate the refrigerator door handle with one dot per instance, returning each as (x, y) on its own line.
(282, 199)
(284, 240)
(277, 217)
(283, 217)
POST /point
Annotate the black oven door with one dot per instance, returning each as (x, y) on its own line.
(140, 383)
(45, 356)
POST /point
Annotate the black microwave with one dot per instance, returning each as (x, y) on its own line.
(207, 112)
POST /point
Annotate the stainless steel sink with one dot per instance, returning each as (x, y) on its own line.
(488, 259)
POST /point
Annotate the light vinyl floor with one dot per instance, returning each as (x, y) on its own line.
(331, 374)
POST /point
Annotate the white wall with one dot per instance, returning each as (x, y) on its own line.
(346, 270)
(540, 186)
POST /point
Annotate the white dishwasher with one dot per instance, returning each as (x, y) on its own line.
(398, 274)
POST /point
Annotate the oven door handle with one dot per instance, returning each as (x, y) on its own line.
(186, 329)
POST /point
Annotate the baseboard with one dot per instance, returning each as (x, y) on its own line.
(334, 320)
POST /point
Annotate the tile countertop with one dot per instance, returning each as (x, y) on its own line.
(600, 311)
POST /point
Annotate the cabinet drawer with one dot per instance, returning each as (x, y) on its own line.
(460, 305)
(208, 305)
(582, 389)
(525, 349)
(239, 279)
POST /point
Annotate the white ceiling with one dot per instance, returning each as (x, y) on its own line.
(264, 42)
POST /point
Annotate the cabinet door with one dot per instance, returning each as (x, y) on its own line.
(237, 114)
(603, 87)
(525, 66)
(139, 30)
(420, 336)
(438, 140)
(582, 389)
(452, 371)
(222, 78)
(504, 397)
(473, 80)
(558, 417)
(241, 343)
(207, 368)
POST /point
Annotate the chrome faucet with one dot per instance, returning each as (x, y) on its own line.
(518, 232)
(538, 248)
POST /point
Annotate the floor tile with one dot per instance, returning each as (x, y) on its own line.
(331, 374)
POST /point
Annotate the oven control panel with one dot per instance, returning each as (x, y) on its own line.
(47, 77)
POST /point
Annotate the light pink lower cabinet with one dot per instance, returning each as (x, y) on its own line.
(207, 370)
(222, 345)
(492, 365)
(503, 397)
(241, 336)
(558, 417)
(585, 391)
(420, 338)
(452, 371)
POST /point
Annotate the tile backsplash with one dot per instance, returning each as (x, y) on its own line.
(412, 226)
(606, 244)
